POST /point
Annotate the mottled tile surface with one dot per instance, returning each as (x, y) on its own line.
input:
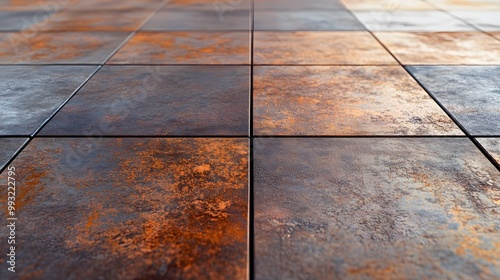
(481, 5)
(362, 100)
(424, 48)
(94, 21)
(220, 6)
(113, 5)
(186, 48)
(386, 5)
(318, 48)
(167, 100)
(411, 21)
(492, 145)
(297, 4)
(305, 20)
(199, 20)
(485, 20)
(8, 146)
(470, 93)
(58, 47)
(32, 5)
(19, 20)
(30, 94)
(375, 209)
(131, 209)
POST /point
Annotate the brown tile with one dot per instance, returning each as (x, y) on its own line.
(8, 147)
(375, 209)
(186, 48)
(343, 100)
(94, 21)
(496, 35)
(442, 47)
(386, 5)
(484, 5)
(162, 100)
(318, 48)
(130, 209)
(58, 47)
(492, 145)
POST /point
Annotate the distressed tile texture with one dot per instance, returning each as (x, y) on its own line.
(144, 208)
(8, 146)
(492, 145)
(305, 20)
(375, 209)
(342, 100)
(470, 93)
(199, 20)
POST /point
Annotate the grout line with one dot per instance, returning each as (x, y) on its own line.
(251, 209)
(143, 136)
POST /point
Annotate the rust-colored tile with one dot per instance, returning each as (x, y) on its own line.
(386, 5)
(58, 47)
(375, 209)
(344, 100)
(482, 5)
(318, 48)
(33, 5)
(186, 48)
(220, 7)
(8, 146)
(163, 100)
(492, 145)
(199, 20)
(30, 94)
(94, 21)
(423, 48)
(116, 5)
(130, 209)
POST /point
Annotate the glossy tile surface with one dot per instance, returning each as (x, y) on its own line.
(492, 145)
(94, 21)
(142, 100)
(470, 93)
(363, 100)
(145, 208)
(481, 5)
(387, 5)
(30, 94)
(485, 20)
(305, 20)
(186, 48)
(58, 47)
(375, 209)
(8, 146)
(424, 48)
(318, 48)
(199, 20)
(411, 21)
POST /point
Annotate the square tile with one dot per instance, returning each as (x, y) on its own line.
(8, 147)
(199, 20)
(425, 48)
(58, 47)
(484, 5)
(386, 5)
(470, 93)
(492, 145)
(219, 6)
(411, 21)
(30, 94)
(318, 48)
(131, 208)
(305, 20)
(375, 209)
(343, 100)
(485, 20)
(19, 20)
(297, 4)
(94, 21)
(186, 48)
(166, 100)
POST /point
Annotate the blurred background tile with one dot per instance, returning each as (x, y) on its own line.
(297, 4)
(387, 5)
(305, 20)
(20, 20)
(485, 20)
(199, 20)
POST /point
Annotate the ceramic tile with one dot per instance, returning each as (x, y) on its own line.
(485, 20)
(94, 21)
(199, 20)
(8, 147)
(305, 20)
(297, 4)
(492, 145)
(387, 5)
(19, 20)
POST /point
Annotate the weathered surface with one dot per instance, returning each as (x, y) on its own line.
(186, 48)
(130, 209)
(426, 48)
(344, 100)
(470, 93)
(163, 100)
(297, 4)
(94, 21)
(305, 20)
(492, 145)
(8, 146)
(199, 20)
(30, 94)
(318, 48)
(375, 209)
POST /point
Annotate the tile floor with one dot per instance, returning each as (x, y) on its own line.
(250, 139)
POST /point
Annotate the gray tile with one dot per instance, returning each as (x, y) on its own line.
(375, 209)
(492, 145)
(297, 4)
(163, 100)
(411, 21)
(485, 20)
(8, 146)
(30, 94)
(470, 93)
(199, 20)
(19, 20)
(305, 20)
